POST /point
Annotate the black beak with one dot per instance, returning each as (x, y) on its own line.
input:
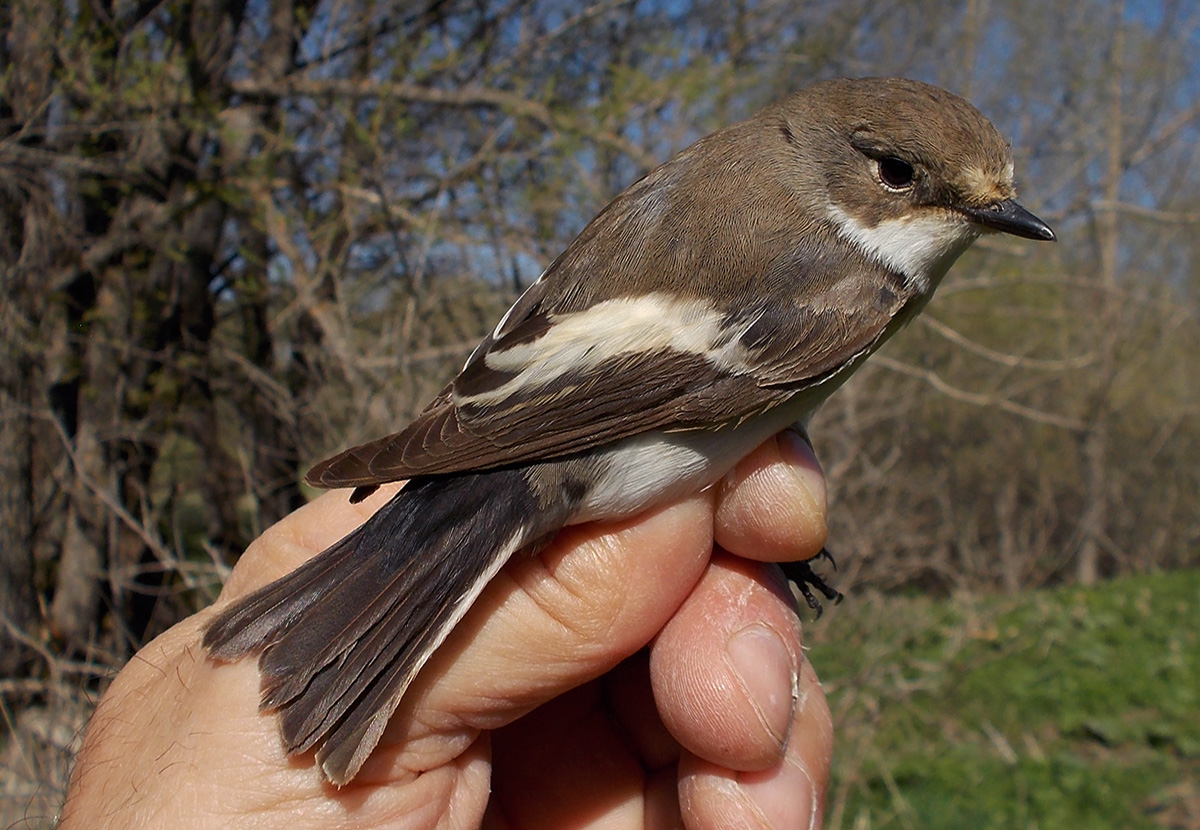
(1009, 217)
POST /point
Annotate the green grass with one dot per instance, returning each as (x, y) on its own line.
(1067, 708)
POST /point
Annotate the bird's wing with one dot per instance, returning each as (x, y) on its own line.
(548, 384)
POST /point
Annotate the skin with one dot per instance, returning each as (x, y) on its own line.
(632, 675)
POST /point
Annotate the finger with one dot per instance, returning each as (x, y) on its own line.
(771, 507)
(597, 756)
(725, 668)
(789, 794)
(630, 700)
(566, 764)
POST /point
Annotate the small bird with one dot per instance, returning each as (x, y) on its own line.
(716, 301)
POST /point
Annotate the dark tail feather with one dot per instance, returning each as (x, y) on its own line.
(344, 634)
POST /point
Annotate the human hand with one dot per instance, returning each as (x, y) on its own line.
(543, 708)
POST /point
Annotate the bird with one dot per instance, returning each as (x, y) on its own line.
(716, 301)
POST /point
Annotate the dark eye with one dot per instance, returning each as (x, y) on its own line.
(895, 173)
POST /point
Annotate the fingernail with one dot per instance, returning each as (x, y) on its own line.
(768, 673)
(802, 461)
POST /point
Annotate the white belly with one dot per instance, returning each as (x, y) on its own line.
(649, 469)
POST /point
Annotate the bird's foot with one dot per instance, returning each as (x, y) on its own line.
(806, 579)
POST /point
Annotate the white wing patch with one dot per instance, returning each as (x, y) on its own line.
(499, 329)
(581, 340)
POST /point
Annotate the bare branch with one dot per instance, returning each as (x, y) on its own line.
(1011, 360)
(339, 88)
(981, 400)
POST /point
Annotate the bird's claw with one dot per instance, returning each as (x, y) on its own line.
(805, 579)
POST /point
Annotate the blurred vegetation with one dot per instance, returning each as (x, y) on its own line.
(236, 236)
(1070, 707)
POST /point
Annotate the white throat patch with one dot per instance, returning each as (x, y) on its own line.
(921, 248)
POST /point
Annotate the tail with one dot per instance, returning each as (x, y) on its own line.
(343, 636)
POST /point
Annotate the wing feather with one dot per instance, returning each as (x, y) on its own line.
(786, 352)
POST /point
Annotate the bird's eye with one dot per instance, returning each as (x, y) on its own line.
(895, 173)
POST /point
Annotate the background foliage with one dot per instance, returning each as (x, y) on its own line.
(236, 235)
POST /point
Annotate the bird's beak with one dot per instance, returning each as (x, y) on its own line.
(1010, 217)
